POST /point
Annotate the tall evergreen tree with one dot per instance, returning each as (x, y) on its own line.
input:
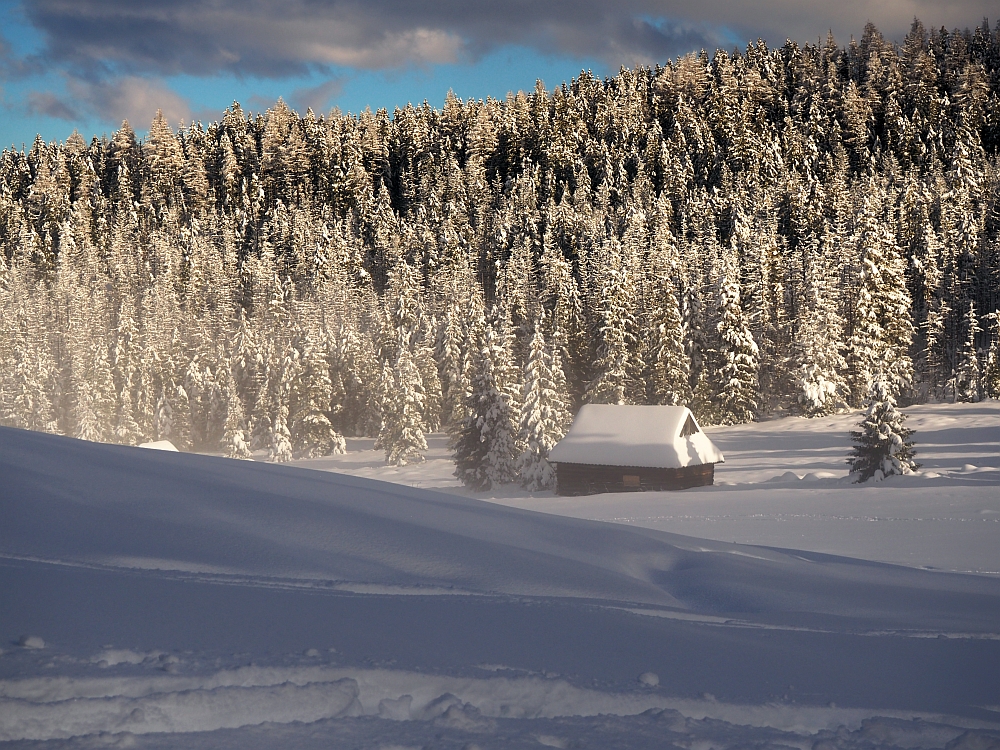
(485, 447)
(401, 435)
(544, 414)
(312, 432)
(968, 374)
(738, 363)
(236, 437)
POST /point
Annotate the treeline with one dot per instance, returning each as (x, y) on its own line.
(749, 233)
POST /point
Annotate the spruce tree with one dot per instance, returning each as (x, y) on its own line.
(236, 438)
(991, 373)
(401, 434)
(450, 358)
(882, 324)
(544, 415)
(883, 446)
(968, 375)
(736, 401)
(617, 367)
(280, 438)
(816, 349)
(312, 432)
(485, 447)
(430, 381)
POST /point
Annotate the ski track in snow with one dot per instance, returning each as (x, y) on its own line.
(163, 600)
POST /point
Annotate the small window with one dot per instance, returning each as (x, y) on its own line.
(630, 480)
(689, 428)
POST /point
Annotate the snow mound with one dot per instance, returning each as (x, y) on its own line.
(260, 524)
(159, 445)
(196, 710)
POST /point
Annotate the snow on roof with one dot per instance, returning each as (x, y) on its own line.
(651, 436)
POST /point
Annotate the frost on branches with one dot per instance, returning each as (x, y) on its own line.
(883, 445)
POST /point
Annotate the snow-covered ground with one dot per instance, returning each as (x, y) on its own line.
(784, 484)
(157, 599)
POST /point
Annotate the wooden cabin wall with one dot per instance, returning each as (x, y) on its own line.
(587, 479)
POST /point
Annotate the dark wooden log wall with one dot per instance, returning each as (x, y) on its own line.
(587, 479)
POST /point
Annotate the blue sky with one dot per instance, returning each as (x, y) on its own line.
(89, 64)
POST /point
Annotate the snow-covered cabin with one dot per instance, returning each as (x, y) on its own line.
(621, 448)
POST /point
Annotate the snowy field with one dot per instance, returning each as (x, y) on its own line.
(785, 484)
(161, 600)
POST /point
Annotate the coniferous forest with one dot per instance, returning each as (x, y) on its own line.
(750, 233)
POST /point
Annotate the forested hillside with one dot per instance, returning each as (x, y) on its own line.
(746, 233)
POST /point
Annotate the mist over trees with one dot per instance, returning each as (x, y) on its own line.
(768, 231)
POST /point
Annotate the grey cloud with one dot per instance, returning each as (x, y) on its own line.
(130, 98)
(48, 104)
(319, 98)
(275, 38)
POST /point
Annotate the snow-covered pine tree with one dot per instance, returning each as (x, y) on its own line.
(450, 357)
(991, 373)
(235, 438)
(544, 415)
(617, 367)
(968, 374)
(280, 443)
(562, 301)
(312, 432)
(816, 349)
(883, 446)
(936, 311)
(668, 362)
(736, 400)
(485, 447)
(430, 381)
(125, 368)
(882, 323)
(401, 435)
(163, 419)
(25, 379)
(94, 390)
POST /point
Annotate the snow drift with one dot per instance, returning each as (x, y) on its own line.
(174, 593)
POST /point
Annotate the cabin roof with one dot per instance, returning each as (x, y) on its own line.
(642, 436)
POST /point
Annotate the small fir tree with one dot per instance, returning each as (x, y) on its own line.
(883, 446)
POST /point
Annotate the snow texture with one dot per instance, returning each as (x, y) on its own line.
(197, 601)
(615, 435)
(159, 445)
